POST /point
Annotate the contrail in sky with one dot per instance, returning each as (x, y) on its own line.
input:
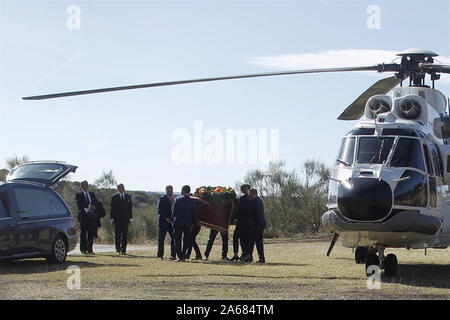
(65, 64)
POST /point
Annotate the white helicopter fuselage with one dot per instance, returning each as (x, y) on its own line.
(389, 185)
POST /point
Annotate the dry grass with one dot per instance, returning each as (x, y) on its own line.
(295, 269)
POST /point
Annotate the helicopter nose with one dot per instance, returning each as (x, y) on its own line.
(364, 199)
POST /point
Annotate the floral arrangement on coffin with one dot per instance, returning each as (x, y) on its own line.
(215, 195)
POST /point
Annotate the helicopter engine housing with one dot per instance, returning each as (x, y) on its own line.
(376, 105)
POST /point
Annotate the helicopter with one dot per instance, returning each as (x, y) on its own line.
(389, 184)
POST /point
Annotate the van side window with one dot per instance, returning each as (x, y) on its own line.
(32, 203)
(4, 212)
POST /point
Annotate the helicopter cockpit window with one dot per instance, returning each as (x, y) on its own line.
(408, 153)
(361, 132)
(374, 149)
(399, 132)
(345, 155)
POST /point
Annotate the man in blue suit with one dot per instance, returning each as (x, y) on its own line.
(184, 218)
(260, 224)
(165, 204)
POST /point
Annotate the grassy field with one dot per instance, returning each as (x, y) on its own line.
(295, 269)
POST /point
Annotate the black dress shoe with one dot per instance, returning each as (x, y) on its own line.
(261, 261)
(235, 258)
(225, 258)
(172, 258)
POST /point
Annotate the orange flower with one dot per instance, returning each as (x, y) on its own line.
(230, 188)
(202, 191)
(218, 190)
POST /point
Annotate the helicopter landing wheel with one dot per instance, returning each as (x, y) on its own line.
(360, 255)
(390, 265)
(371, 260)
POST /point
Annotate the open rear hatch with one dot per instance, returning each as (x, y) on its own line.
(44, 172)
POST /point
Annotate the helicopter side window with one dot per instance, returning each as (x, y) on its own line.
(408, 154)
(433, 196)
(428, 160)
(345, 156)
(374, 149)
(436, 162)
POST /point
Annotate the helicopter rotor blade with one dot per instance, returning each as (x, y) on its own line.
(443, 68)
(356, 109)
(379, 68)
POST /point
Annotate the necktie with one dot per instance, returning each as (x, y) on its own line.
(87, 197)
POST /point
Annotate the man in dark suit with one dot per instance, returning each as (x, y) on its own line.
(121, 217)
(260, 225)
(244, 226)
(88, 217)
(165, 204)
(184, 218)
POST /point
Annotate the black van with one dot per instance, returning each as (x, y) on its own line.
(34, 219)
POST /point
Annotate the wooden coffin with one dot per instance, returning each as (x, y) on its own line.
(214, 216)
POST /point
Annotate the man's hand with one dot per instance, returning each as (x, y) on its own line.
(92, 207)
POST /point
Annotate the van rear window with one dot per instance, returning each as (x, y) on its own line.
(33, 202)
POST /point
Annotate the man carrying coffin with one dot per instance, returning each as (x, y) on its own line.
(260, 225)
(184, 218)
(244, 226)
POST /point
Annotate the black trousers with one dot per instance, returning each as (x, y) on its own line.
(121, 231)
(212, 236)
(193, 243)
(182, 240)
(165, 228)
(244, 233)
(258, 241)
(86, 239)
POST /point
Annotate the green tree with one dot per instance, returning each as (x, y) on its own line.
(3, 174)
(106, 180)
(293, 204)
(16, 160)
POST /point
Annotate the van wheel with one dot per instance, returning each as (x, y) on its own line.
(59, 251)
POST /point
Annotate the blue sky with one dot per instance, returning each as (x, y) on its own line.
(132, 42)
